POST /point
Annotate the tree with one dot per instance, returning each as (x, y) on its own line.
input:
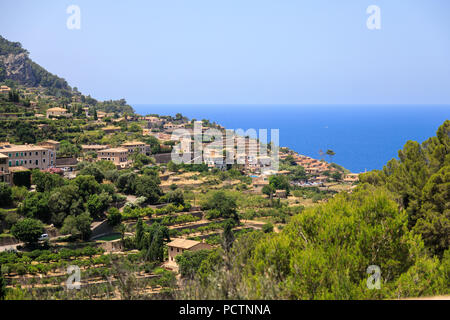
(65, 201)
(268, 190)
(189, 262)
(152, 242)
(350, 232)
(140, 160)
(126, 182)
(114, 217)
(175, 196)
(140, 230)
(221, 205)
(87, 186)
(419, 180)
(67, 149)
(78, 226)
(433, 221)
(93, 170)
(331, 154)
(267, 228)
(97, 204)
(2, 285)
(28, 230)
(46, 181)
(121, 228)
(22, 178)
(290, 160)
(5, 194)
(172, 166)
(36, 205)
(147, 186)
(299, 174)
(153, 142)
(280, 183)
(336, 176)
(228, 235)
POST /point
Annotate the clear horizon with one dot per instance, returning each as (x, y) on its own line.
(232, 52)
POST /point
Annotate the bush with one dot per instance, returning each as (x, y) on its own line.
(267, 228)
(114, 217)
(5, 194)
(28, 230)
(22, 179)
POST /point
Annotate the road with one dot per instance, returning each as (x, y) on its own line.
(14, 246)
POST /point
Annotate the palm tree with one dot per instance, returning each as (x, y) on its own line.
(331, 153)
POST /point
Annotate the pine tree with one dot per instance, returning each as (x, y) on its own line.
(2, 285)
(139, 233)
(227, 235)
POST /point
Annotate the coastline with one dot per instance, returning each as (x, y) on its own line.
(381, 130)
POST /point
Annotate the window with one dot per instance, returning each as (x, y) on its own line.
(17, 154)
(37, 162)
(10, 163)
(43, 160)
(10, 155)
(17, 162)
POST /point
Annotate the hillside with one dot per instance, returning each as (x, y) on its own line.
(17, 69)
(16, 65)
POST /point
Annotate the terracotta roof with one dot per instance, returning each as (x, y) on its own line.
(18, 148)
(115, 150)
(183, 243)
(133, 143)
(18, 169)
(94, 146)
(57, 109)
(52, 141)
(111, 128)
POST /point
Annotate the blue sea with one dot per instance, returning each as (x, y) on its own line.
(363, 137)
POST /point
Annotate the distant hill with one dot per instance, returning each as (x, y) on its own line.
(16, 65)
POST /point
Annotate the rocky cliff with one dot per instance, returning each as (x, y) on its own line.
(16, 65)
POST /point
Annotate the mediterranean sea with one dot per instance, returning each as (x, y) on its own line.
(364, 137)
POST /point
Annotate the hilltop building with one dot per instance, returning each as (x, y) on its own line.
(28, 156)
(4, 169)
(5, 89)
(119, 156)
(178, 246)
(136, 146)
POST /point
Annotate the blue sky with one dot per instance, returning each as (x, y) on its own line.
(241, 51)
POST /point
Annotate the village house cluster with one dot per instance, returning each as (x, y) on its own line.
(255, 158)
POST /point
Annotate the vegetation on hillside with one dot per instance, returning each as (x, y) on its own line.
(397, 219)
